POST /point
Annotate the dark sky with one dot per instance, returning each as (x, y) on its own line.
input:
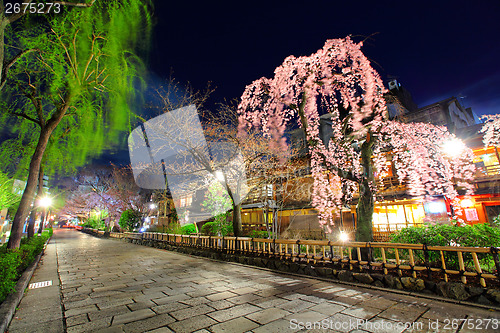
(436, 49)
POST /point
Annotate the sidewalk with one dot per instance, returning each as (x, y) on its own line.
(113, 286)
(40, 309)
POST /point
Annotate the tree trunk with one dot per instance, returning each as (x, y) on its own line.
(29, 192)
(42, 221)
(34, 171)
(31, 223)
(366, 203)
(237, 226)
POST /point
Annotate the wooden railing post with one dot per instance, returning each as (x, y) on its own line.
(443, 265)
(462, 267)
(478, 269)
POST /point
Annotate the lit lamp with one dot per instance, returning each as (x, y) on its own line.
(343, 237)
(466, 203)
(453, 147)
(220, 176)
(44, 202)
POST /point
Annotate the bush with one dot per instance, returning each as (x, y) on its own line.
(216, 228)
(478, 235)
(130, 220)
(209, 229)
(172, 228)
(14, 262)
(259, 234)
(9, 261)
(496, 221)
(189, 229)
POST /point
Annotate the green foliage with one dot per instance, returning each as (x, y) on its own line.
(88, 58)
(477, 235)
(172, 228)
(496, 221)
(216, 228)
(258, 234)
(130, 220)
(7, 196)
(9, 261)
(188, 229)
(14, 262)
(96, 219)
(218, 203)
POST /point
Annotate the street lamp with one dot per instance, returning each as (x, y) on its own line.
(220, 175)
(453, 147)
(44, 202)
(343, 236)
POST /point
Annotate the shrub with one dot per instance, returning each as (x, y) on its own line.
(189, 229)
(478, 235)
(130, 220)
(14, 262)
(172, 228)
(9, 261)
(209, 228)
(496, 221)
(259, 234)
(217, 228)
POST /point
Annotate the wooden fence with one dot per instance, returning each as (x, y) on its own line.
(482, 265)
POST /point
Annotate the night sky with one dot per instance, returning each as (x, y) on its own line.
(436, 49)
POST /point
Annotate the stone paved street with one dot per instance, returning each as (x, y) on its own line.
(114, 286)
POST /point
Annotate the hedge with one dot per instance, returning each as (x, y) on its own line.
(14, 262)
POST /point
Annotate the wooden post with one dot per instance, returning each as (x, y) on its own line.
(443, 264)
(384, 260)
(478, 268)
(462, 266)
(398, 262)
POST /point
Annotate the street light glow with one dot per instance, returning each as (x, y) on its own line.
(453, 147)
(219, 175)
(152, 206)
(45, 201)
(343, 237)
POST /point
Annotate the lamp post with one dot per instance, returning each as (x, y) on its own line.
(44, 202)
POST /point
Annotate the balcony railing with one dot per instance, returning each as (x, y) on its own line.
(489, 172)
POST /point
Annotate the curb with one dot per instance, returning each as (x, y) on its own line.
(9, 305)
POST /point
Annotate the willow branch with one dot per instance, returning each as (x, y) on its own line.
(76, 4)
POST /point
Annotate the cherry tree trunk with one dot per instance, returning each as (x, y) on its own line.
(237, 226)
(366, 203)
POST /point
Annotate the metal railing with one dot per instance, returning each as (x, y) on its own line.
(446, 263)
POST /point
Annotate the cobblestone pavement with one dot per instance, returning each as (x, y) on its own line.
(114, 286)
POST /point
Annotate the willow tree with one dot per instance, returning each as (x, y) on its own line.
(338, 82)
(76, 86)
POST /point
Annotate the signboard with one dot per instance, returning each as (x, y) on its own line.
(471, 214)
